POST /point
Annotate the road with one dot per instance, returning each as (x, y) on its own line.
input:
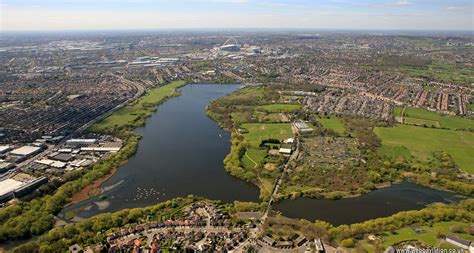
(25, 164)
(140, 90)
(293, 156)
(259, 230)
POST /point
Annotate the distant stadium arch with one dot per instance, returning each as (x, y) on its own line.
(230, 45)
(230, 42)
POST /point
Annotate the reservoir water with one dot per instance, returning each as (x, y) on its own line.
(379, 203)
(182, 153)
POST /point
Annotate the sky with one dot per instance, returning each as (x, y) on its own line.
(192, 14)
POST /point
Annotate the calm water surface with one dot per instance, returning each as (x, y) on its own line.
(182, 152)
(379, 203)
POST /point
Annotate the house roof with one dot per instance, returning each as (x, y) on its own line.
(285, 150)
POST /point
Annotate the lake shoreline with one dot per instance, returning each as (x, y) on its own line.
(94, 188)
(166, 128)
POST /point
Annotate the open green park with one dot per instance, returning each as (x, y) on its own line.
(258, 132)
(418, 116)
(333, 123)
(138, 109)
(422, 142)
(254, 156)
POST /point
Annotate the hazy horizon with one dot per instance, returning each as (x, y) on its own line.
(60, 15)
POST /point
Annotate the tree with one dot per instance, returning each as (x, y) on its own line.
(348, 243)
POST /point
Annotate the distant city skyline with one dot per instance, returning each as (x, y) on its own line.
(179, 14)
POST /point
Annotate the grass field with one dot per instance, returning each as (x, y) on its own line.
(470, 107)
(265, 117)
(280, 107)
(421, 142)
(333, 123)
(421, 116)
(395, 151)
(422, 122)
(249, 93)
(239, 118)
(254, 158)
(272, 117)
(259, 132)
(140, 107)
(430, 235)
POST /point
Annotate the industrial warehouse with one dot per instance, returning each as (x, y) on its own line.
(46, 161)
(11, 188)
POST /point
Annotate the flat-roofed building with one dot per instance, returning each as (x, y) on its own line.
(100, 149)
(7, 187)
(77, 142)
(268, 240)
(63, 157)
(5, 166)
(284, 244)
(81, 162)
(51, 163)
(285, 151)
(65, 150)
(302, 127)
(289, 141)
(29, 187)
(4, 149)
(26, 151)
(319, 246)
(300, 240)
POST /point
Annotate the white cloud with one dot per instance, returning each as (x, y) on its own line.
(403, 3)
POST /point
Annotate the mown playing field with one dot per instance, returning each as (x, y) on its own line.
(422, 142)
(280, 107)
(254, 158)
(333, 123)
(259, 132)
(419, 116)
(429, 236)
(140, 107)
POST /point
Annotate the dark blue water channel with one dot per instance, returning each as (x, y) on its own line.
(182, 152)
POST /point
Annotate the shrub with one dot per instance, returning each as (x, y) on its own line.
(348, 243)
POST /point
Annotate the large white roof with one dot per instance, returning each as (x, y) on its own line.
(4, 148)
(9, 185)
(52, 163)
(82, 140)
(25, 150)
(285, 150)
